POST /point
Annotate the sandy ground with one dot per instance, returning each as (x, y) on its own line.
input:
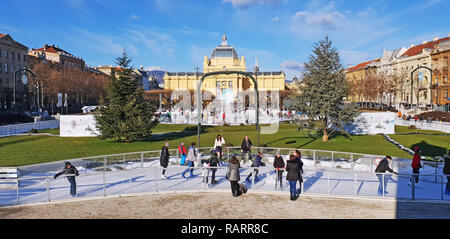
(221, 205)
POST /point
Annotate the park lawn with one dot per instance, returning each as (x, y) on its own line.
(25, 150)
(432, 145)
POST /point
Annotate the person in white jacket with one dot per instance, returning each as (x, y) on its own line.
(218, 146)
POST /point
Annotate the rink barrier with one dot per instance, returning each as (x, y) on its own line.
(157, 172)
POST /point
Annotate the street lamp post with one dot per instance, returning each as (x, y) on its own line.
(24, 81)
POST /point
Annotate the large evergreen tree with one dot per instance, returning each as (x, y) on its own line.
(322, 92)
(124, 115)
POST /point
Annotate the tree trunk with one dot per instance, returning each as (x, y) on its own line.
(325, 136)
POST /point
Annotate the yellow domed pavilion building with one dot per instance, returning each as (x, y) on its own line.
(225, 58)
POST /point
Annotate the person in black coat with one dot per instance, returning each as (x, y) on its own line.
(293, 172)
(164, 158)
(256, 163)
(298, 157)
(246, 145)
(214, 162)
(278, 164)
(381, 169)
(446, 171)
(71, 170)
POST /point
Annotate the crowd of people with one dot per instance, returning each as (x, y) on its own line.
(293, 168)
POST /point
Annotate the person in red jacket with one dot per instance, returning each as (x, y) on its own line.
(416, 165)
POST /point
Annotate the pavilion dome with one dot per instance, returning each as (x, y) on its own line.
(224, 50)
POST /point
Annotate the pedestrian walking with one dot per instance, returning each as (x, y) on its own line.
(278, 164)
(446, 171)
(255, 165)
(70, 170)
(218, 146)
(164, 158)
(245, 148)
(381, 169)
(233, 176)
(182, 152)
(416, 165)
(298, 156)
(190, 158)
(214, 162)
(293, 171)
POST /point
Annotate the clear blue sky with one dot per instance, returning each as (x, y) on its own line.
(174, 35)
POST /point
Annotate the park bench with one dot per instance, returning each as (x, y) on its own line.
(9, 178)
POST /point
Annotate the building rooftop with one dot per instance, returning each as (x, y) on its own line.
(362, 65)
(415, 50)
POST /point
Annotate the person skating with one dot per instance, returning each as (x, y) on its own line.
(233, 175)
(218, 146)
(256, 163)
(190, 158)
(381, 169)
(293, 172)
(71, 170)
(416, 165)
(278, 164)
(205, 172)
(246, 145)
(214, 162)
(164, 158)
(446, 171)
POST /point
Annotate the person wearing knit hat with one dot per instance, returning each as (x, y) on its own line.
(71, 170)
(416, 165)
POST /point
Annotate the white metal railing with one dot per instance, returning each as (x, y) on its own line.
(98, 176)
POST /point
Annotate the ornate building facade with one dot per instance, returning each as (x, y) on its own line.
(13, 56)
(224, 58)
(441, 83)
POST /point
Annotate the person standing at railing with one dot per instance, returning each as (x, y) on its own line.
(293, 171)
(164, 158)
(246, 145)
(298, 157)
(416, 165)
(279, 164)
(381, 169)
(71, 170)
(233, 175)
(182, 152)
(218, 144)
(191, 158)
(446, 171)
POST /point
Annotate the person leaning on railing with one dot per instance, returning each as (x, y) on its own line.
(278, 163)
(446, 171)
(381, 169)
(71, 170)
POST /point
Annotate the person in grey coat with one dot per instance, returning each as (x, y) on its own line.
(233, 175)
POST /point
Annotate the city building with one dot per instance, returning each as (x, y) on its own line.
(54, 54)
(111, 70)
(225, 58)
(441, 83)
(13, 56)
(362, 78)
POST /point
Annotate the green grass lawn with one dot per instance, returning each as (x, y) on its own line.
(25, 150)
